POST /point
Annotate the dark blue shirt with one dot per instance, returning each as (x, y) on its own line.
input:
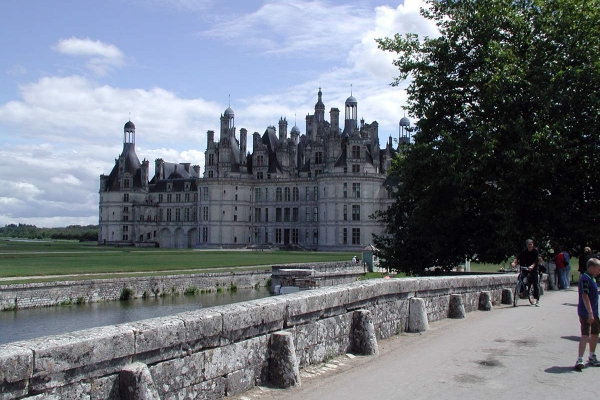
(588, 285)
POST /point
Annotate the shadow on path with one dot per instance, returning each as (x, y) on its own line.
(560, 370)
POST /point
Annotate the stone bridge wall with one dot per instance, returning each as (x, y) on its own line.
(30, 295)
(224, 351)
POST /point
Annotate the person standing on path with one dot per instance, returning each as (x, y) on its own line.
(587, 309)
(528, 258)
(559, 260)
(583, 259)
(567, 268)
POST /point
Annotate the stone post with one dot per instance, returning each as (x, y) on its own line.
(507, 296)
(456, 309)
(283, 364)
(417, 315)
(363, 339)
(135, 383)
(485, 301)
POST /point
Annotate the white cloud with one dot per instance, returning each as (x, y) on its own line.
(102, 57)
(77, 110)
(297, 28)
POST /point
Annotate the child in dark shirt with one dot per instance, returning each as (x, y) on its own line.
(587, 309)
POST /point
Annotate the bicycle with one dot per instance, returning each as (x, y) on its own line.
(523, 288)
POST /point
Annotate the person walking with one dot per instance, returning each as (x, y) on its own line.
(529, 259)
(587, 310)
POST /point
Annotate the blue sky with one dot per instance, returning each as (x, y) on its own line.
(73, 71)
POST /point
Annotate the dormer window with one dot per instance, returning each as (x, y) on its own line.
(169, 187)
(187, 186)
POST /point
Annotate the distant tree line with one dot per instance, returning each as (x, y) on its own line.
(71, 232)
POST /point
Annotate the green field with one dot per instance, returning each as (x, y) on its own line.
(27, 259)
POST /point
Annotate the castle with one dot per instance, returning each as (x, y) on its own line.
(314, 190)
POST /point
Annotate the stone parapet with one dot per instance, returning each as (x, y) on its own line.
(223, 351)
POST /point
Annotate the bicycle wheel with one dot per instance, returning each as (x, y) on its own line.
(516, 294)
(530, 297)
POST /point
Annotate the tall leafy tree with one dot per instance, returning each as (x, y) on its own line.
(506, 146)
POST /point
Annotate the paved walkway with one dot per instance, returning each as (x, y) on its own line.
(509, 353)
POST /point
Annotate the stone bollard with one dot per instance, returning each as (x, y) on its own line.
(417, 315)
(135, 383)
(456, 309)
(507, 296)
(363, 336)
(485, 301)
(283, 364)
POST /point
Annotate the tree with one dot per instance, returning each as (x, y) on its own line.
(507, 100)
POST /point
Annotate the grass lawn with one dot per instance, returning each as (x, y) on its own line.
(22, 259)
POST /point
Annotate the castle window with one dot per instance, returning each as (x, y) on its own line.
(126, 183)
(160, 197)
(187, 186)
(126, 197)
(277, 235)
(355, 168)
(287, 194)
(178, 197)
(205, 194)
(295, 236)
(169, 187)
(211, 174)
(315, 236)
(187, 197)
(187, 214)
(355, 151)
(257, 194)
(356, 190)
(267, 194)
(278, 214)
(355, 212)
(295, 214)
(307, 214)
(257, 215)
(345, 212)
(295, 194)
(355, 235)
(204, 213)
(259, 175)
(345, 190)
(318, 157)
(345, 236)
(316, 192)
(278, 194)
(169, 198)
(205, 234)
(266, 215)
(195, 215)
(168, 215)
(211, 159)
(286, 214)
(316, 214)
(307, 194)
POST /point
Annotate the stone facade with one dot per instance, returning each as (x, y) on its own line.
(314, 190)
(224, 351)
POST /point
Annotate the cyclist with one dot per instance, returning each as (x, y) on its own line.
(529, 259)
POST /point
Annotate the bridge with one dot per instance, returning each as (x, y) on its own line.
(509, 353)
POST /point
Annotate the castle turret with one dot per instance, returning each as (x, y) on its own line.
(282, 130)
(404, 136)
(351, 115)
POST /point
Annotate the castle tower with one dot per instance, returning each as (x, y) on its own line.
(243, 143)
(404, 136)
(320, 109)
(282, 130)
(350, 123)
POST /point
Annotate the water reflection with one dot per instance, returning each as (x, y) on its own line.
(28, 324)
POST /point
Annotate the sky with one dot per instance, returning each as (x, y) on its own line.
(73, 72)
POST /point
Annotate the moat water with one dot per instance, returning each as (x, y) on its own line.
(32, 323)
